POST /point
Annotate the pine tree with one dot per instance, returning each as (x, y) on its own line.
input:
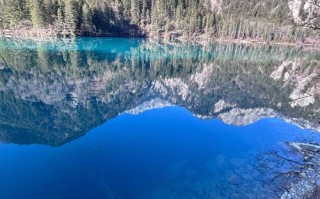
(86, 18)
(179, 17)
(71, 15)
(60, 16)
(144, 12)
(35, 12)
(135, 12)
(126, 9)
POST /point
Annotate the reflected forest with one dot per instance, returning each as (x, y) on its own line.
(55, 92)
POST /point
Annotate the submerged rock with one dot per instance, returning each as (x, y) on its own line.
(309, 181)
(234, 179)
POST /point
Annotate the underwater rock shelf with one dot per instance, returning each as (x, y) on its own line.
(309, 180)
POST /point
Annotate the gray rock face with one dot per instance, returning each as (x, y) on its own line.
(149, 105)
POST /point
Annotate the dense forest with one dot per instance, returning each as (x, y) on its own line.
(266, 20)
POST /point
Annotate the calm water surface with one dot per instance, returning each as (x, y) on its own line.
(129, 118)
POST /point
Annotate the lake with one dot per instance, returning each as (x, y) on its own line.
(136, 119)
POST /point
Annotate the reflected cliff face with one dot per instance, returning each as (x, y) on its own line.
(54, 92)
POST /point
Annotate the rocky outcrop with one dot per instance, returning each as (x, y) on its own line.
(241, 117)
(306, 12)
(149, 105)
(304, 80)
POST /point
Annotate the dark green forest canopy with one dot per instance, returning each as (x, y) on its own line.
(108, 15)
(268, 20)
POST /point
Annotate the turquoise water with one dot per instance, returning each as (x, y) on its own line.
(130, 118)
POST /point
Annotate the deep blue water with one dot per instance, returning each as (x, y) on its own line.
(66, 131)
(157, 154)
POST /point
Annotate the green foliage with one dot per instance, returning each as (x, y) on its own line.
(135, 12)
(13, 12)
(267, 20)
(94, 15)
(36, 7)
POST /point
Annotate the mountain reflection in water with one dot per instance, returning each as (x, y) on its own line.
(52, 93)
(222, 105)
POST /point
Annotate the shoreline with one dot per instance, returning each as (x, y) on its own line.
(276, 43)
(42, 35)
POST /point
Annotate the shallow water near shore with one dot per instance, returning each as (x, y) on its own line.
(131, 118)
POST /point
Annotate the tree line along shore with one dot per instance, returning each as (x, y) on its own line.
(250, 20)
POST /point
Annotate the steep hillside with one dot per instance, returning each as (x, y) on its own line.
(271, 20)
